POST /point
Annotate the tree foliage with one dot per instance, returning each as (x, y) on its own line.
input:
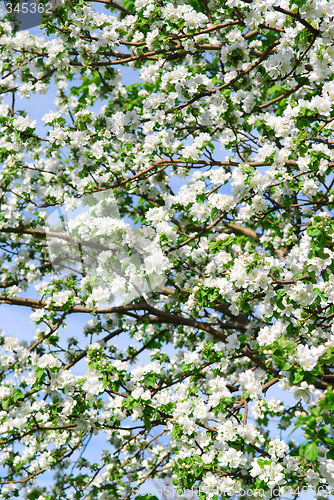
(220, 267)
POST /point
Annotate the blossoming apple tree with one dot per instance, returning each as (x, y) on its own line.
(218, 269)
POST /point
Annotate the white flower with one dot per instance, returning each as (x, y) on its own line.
(232, 458)
(99, 295)
(155, 263)
(139, 392)
(48, 361)
(22, 123)
(37, 315)
(93, 386)
(120, 365)
(277, 448)
(13, 291)
(304, 391)
(271, 473)
(308, 357)
(49, 117)
(61, 298)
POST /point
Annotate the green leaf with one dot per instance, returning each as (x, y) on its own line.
(150, 379)
(299, 3)
(280, 294)
(322, 254)
(147, 423)
(273, 89)
(296, 376)
(5, 403)
(262, 462)
(147, 496)
(17, 394)
(200, 198)
(314, 232)
(39, 374)
(311, 451)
